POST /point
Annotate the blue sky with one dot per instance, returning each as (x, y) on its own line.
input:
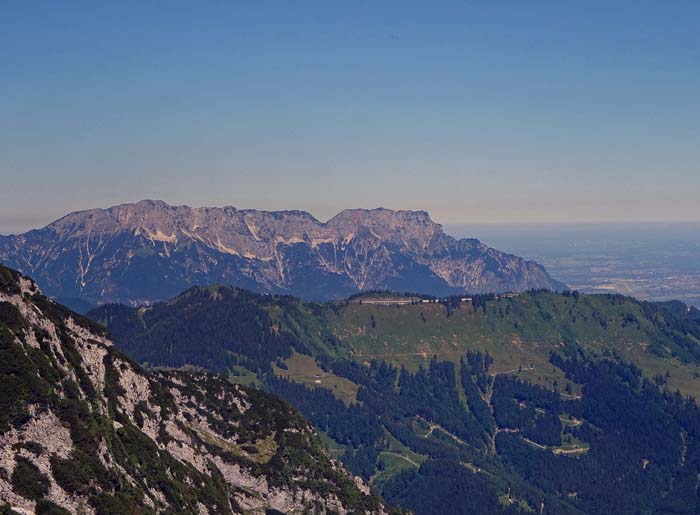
(475, 111)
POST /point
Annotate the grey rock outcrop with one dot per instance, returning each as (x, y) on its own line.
(148, 251)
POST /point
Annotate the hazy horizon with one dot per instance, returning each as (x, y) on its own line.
(19, 224)
(475, 113)
(648, 261)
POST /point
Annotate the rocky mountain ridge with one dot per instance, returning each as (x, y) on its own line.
(85, 430)
(147, 251)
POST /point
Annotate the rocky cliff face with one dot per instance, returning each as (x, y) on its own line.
(137, 253)
(85, 430)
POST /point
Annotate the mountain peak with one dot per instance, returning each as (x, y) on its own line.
(382, 216)
(150, 250)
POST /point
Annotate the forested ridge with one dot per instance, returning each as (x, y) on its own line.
(588, 431)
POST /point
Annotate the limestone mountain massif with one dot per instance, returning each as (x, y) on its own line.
(148, 251)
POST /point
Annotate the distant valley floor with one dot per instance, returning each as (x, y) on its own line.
(647, 261)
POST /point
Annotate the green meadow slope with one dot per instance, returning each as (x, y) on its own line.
(520, 332)
(537, 402)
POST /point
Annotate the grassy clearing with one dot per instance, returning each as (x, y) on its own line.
(335, 449)
(571, 446)
(395, 459)
(519, 333)
(683, 377)
(243, 376)
(411, 335)
(304, 369)
(390, 464)
(508, 500)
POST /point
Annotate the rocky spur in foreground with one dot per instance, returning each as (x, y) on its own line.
(85, 430)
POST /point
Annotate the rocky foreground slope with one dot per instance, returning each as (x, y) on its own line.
(138, 253)
(85, 430)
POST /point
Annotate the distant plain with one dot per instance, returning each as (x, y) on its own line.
(649, 261)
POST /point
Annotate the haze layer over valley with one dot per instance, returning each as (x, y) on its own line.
(649, 261)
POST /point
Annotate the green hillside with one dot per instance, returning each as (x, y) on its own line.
(538, 402)
(521, 331)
